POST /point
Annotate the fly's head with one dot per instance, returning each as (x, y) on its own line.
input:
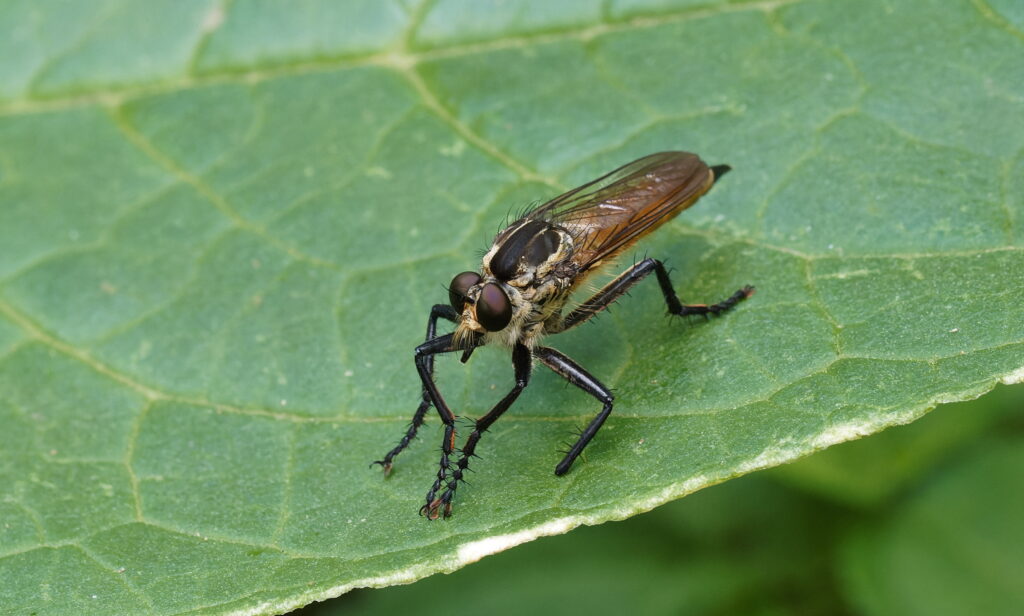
(486, 307)
(520, 286)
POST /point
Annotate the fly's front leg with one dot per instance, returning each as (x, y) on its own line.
(616, 288)
(443, 311)
(423, 354)
(523, 364)
(575, 374)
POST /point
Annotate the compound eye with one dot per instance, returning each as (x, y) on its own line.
(493, 308)
(459, 288)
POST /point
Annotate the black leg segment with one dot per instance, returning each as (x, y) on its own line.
(575, 374)
(424, 365)
(522, 363)
(442, 311)
(616, 288)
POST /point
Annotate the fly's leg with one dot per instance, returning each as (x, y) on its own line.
(443, 311)
(575, 374)
(616, 288)
(612, 291)
(424, 363)
(523, 364)
(680, 309)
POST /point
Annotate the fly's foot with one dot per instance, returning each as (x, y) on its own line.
(430, 509)
(458, 475)
(384, 464)
(441, 506)
(711, 310)
(438, 507)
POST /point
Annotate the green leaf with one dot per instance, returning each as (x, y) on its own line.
(222, 227)
(953, 549)
(707, 554)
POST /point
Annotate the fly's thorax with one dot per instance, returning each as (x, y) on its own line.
(526, 278)
(527, 251)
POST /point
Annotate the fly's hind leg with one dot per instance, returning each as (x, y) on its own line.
(612, 291)
(616, 288)
(680, 309)
(443, 311)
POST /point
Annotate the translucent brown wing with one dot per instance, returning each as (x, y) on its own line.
(607, 215)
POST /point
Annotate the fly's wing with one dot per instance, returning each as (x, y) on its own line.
(607, 215)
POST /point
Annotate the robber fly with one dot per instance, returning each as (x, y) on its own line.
(526, 279)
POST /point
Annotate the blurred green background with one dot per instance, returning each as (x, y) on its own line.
(926, 518)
